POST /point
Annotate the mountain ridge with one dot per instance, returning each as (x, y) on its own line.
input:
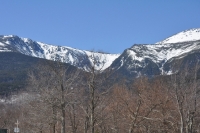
(76, 57)
(136, 59)
(156, 59)
(184, 36)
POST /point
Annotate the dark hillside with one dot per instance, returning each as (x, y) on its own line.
(14, 68)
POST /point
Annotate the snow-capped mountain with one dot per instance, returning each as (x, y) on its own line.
(75, 57)
(140, 59)
(185, 36)
(163, 58)
(156, 59)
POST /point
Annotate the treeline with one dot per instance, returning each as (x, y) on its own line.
(64, 100)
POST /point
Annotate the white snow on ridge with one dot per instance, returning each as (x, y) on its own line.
(185, 36)
(75, 57)
(50, 51)
(1, 44)
(8, 36)
(26, 40)
(158, 53)
(5, 50)
(105, 59)
(134, 55)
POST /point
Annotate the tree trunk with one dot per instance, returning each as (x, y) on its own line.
(86, 126)
(63, 120)
(92, 110)
(62, 111)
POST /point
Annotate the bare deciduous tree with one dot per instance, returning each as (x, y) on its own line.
(96, 91)
(53, 82)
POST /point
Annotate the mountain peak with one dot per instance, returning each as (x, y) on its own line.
(184, 36)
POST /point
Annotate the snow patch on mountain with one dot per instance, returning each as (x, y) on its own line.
(159, 53)
(73, 56)
(9, 36)
(1, 44)
(185, 36)
(104, 60)
(135, 56)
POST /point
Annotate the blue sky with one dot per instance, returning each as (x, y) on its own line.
(105, 25)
